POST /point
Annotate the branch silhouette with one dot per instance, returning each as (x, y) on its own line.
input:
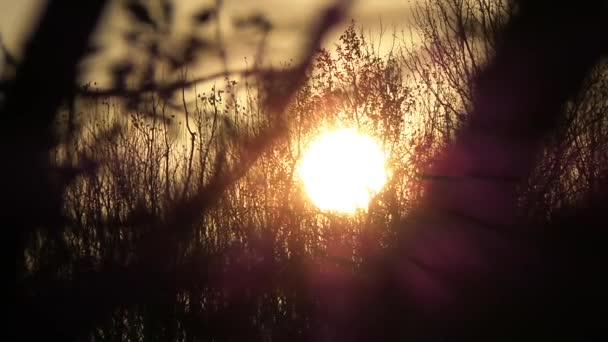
(468, 265)
(144, 236)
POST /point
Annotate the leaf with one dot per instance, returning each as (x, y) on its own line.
(193, 46)
(141, 13)
(8, 57)
(204, 15)
(153, 49)
(167, 7)
(131, 37)
(120, 72)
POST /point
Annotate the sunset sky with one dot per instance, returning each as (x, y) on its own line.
(306, 170)
(290, 19)
(291, 22)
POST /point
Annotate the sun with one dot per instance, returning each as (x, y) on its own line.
(342, 170)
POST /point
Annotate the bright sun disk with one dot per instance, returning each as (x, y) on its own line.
(342, 170)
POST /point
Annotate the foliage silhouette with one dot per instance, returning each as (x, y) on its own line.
(178, 215)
